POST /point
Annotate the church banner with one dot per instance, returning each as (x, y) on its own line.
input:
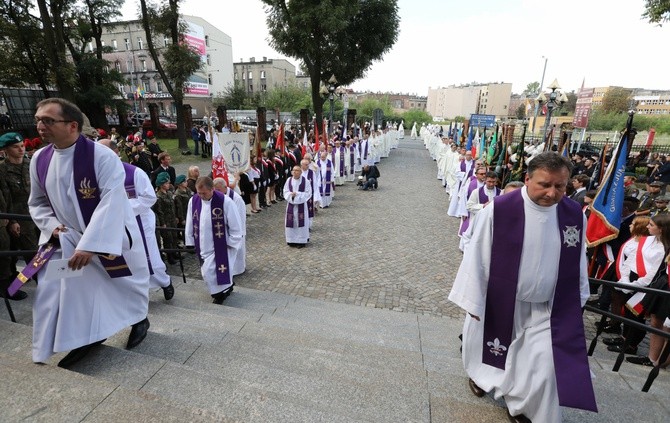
(235, 148)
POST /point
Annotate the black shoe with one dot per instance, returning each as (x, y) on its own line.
(168, 292)
(520, 418)
(644, 361)
(613, 341)
(18, 296)
(617, 349)
(479, 392)
(77, 354)
(612, 328)
(220, 296)
(138, 333)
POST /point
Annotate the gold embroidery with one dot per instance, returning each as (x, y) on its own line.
(86, 189)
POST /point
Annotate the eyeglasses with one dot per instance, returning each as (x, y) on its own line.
(49, 121)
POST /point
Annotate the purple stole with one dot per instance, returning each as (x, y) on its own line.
(290, 206)
(129, 184)
(342, 153)
(88, 194)
(310, 202)
(364, 153)
(218, 235)
(466, 220)
(325, 185)
(463, 167)
(573, 377)
(231, 194)
(483, 198)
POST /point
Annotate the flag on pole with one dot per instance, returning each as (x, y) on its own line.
(316, 137)
(280, 146)
(257, 144)
(482, 146)
(325, 133)
(468, 144)
(492, 147)
(218, 162)
(475, 144)
(606, 209)
(303, 147)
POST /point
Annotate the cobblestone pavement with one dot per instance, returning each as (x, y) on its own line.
(394, 248)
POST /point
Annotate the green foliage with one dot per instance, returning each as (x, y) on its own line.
(418, 116)
(571, 105)
(657, 11)
(532, 89)
(600, 121)
(616, 100)
(520, 112)
(233, 97)
(335, 37)
(288, 99)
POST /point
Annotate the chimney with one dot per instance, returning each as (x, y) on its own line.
(265, 59)
(252, 60)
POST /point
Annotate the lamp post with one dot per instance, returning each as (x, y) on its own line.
(532, 129)
(332, 84)
(556, 99)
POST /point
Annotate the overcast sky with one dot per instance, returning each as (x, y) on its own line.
(452, 42)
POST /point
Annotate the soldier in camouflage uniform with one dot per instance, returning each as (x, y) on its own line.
(182, 195)
(15, 187)
(166, 216)
(6, 273)
(647, 199)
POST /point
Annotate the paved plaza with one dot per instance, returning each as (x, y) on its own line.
(394, 248)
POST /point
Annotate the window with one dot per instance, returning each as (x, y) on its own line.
(90, 46)
(244, 75)
(102, 43)
(139, 43)
(209, 60)
(121, 88)
(143, 65)
(127, 41)
(207, 40)
(117, 66)
(250, 76)
(251, 88)
(129, 66)
(264, 87)
(166, 41)
(159, 86)
(114, 45)
(262, 74)
(209, 79)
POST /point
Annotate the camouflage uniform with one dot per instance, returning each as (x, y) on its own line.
(181, 199)
(15, 187)
(5, 262)
(647, 201)
(166, 216)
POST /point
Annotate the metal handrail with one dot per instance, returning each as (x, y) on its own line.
(665, 352)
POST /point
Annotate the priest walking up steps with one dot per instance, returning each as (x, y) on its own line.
(523, 337)
(77, 201)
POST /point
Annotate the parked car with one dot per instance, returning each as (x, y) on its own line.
(163, 123)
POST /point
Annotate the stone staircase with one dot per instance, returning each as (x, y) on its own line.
(269, 357)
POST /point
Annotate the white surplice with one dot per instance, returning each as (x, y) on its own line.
(335, 158)
(234, 239)
(145, 198)
(239, 265)
(325, 200)
(297, 234)
(528, 383)
(73, 312)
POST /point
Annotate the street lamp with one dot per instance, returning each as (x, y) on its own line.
(556, 99)
(332, 85)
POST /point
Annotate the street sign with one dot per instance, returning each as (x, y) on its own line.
(487, 121)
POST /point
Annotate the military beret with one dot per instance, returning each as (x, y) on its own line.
(162, 178)
(179, 179)
(631, 174)
(656, 184)
(10, 138)
(662, 199)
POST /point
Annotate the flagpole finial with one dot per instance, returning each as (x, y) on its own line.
(631, 112)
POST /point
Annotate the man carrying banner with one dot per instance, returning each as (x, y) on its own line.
(523, 337)
(76, 208)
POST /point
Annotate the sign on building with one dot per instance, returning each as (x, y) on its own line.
(487, 121)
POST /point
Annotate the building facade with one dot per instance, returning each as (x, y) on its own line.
(264, 75)
(450, 102)
(130, 56)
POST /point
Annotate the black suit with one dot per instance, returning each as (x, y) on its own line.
(578, 196)
(170, 171)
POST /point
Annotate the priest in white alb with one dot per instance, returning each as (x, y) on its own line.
(239, 264)
(327, 186)
(297, 192)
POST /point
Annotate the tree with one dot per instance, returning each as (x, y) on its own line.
(532, 89)
(336, 37)
(657, 11)
(571, 105)
(234, 96)
(178, 62)
(616, 100)
(25, 59)
(288, 99)
(418, 116)
(520, 112)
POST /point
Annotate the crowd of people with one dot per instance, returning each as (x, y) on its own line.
(77, 186)
(526, 266)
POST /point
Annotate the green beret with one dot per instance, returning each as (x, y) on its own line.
(10, 138)
(179, 179)
(162, 178)
(631, 174)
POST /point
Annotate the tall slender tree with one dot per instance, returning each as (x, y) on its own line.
(178, 61)
(335, 37)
